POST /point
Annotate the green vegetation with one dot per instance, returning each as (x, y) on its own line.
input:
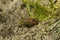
(38, 11)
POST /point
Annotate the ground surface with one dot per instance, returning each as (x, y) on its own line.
(10, 28)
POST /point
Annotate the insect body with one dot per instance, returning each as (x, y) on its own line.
(29, 22)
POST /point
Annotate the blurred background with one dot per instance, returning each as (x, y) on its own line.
(14, 12)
